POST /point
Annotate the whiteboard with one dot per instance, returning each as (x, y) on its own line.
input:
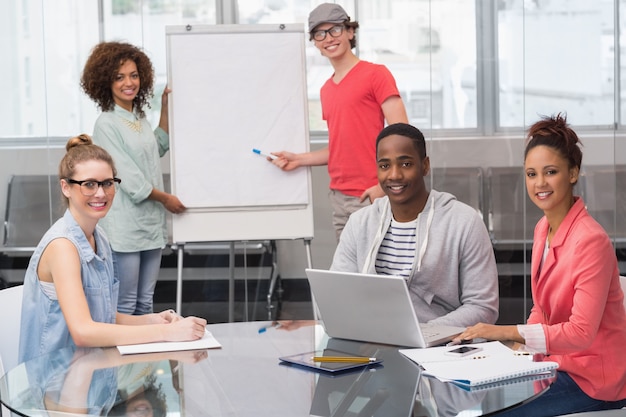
(236, 88)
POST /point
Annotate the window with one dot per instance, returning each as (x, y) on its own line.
(556, 56)
(429, 46)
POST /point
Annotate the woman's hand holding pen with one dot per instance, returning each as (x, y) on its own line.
(188, 328)
(180, 328)
(169, 316)
(164, 317)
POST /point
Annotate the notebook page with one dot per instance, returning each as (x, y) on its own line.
(207, 342)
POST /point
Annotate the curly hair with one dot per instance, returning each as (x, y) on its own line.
(152, 392)
(102, 67)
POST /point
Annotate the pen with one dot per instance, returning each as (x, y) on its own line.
(352, 359)
(267, 155)
(275, 325)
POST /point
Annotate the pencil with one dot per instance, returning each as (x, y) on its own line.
(351, 359)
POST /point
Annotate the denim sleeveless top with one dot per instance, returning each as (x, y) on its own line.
(43, 327)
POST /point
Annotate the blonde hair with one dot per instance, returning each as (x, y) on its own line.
(81, 149)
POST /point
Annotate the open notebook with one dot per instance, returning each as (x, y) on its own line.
(493, 365)
(372, 308)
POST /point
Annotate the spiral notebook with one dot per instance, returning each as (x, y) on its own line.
(544, 376)
(486, 370)
(494, 363)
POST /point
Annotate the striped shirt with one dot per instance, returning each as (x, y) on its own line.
(397, 250)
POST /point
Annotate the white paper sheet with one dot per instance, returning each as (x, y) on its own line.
(207, 342)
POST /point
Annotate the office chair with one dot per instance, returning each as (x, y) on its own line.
(11, 306)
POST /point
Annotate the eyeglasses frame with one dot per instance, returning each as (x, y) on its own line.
(328, 32)
(100, 185)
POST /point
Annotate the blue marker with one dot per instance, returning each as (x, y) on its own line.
(258, 152)
(275, 325)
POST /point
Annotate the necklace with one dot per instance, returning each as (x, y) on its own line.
(134, 125)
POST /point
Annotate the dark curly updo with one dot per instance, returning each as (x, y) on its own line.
(554, 132)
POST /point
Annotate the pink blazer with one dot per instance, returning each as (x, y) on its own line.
(578, 300)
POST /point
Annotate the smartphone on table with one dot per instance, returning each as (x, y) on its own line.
(463, 351)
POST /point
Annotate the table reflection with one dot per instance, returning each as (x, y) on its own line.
(243, 378)
(97, 382)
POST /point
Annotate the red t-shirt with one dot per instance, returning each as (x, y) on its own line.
(354, 115)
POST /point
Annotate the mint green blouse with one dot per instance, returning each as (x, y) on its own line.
(134, 222)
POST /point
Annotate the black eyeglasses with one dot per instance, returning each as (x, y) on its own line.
(335, 31)
(90, 187)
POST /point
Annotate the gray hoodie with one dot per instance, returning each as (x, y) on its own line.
(454, 280)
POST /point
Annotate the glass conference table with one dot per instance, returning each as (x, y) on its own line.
(244, 378)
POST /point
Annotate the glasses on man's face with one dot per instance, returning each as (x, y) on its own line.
(90, 187)
(335, 31)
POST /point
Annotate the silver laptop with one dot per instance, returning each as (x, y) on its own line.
(372, 308)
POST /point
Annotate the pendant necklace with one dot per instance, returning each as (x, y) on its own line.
(134, 125)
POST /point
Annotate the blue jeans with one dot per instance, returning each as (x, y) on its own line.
(563, 397)
(138, 273)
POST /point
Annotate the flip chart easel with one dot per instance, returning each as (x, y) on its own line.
(236, 88)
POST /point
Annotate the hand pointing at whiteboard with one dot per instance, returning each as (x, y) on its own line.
(288, 161)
